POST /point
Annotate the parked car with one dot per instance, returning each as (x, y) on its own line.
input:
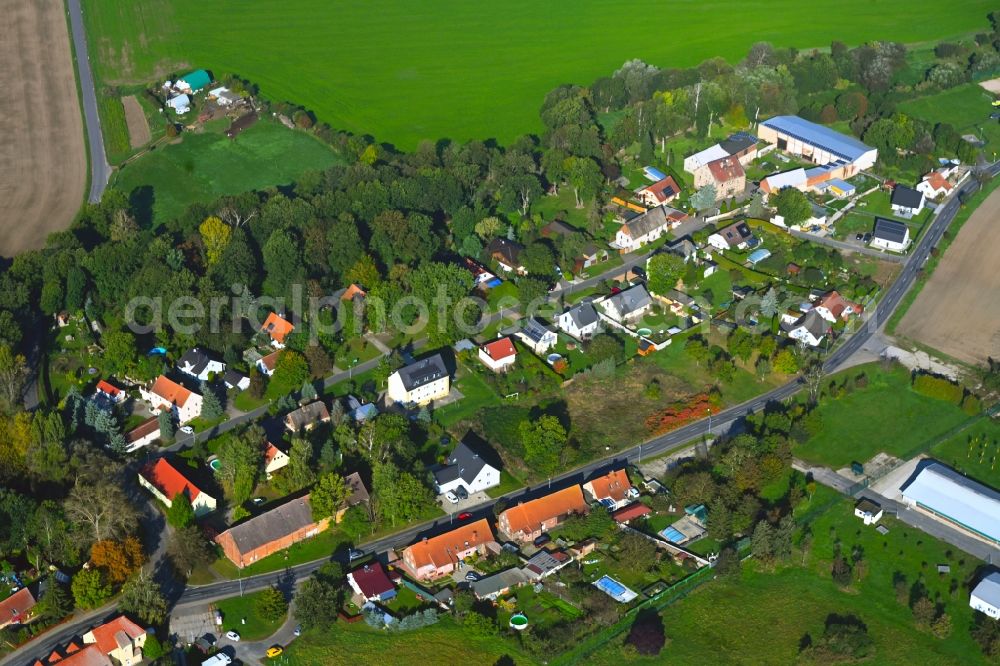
(218, 617)
(462, 493)
(233, 636)
(354, 554)
(451, 497)
(187, 430)
(298, 630)
(258, 501)
(465, 515)
(274, 651)
(541, 540)
(859, 236)
(472, 576)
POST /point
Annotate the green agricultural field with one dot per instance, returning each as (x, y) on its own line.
(974, 452)
(205, 166)
(760, 617)
(865, 421)
(967, 108)
(408, 70)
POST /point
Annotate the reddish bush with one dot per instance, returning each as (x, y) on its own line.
(681, 413)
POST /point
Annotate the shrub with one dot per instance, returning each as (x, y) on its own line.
(938, 388)
(680, 414)
(971, 404)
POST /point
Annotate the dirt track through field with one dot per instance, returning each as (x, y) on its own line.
(958, 310)
(43, 168)
(135, 118)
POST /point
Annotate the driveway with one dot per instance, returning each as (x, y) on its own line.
(475, 499)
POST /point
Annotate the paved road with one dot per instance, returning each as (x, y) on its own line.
(847, 247)
(100, 171)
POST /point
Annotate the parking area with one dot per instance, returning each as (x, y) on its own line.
(193, 622)
(474, 500)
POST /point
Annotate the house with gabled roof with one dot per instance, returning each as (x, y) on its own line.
(234, 379)
(167, 395)
(580, 321)
(110, 392)
(648, 227)
(529, 520)
(270, 532)
(277, 328)
(627, 305)
(167, 481)
(307, 417)
(142, 435)
(613, 490)
(890, 235)
(199, 364)
(465, 467)
(817, 143)
(934, 185)
(659, 193)
(434, 557)
(121, 640)
(498, 355)
(268, 364)
(833, 307)
(507, 254)
(537, 336)
(736, 236)
(420, 382)
(985, 596)
(371, 583)
(18, 608)
(810, 328)
(906, 201)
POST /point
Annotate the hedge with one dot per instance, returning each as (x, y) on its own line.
(938, 388)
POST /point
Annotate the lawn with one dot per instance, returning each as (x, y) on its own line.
(865, 421)
(723, 621)
(467, 70)
(442, 643)
(237, 609)
(477, 395)
(205, 166)
(973, 452)
(114, 129)
(966, 107)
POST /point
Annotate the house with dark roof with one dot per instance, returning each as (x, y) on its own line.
(580, 321)
(627, 305)
(491, 588)
(199, 364)
(234, 379)
(371, 583)
(647, 227)
(166, 481)
(537, 336)
(659, 193)
(420, 382)
(498, 355)
(906, 201)
(465, 467)
(868, 511)
(359, 411)
(557, 228)
(736, 236)
(742, 146)
(810, 328)
(307, 417)
(890, 235)
(507, 254)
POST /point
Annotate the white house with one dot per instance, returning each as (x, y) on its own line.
(810, 328)
(420, 382)
(498, 355)
(834, 307)
(890, 235)
(737, 235)
(778, 181)
(168, 394)
(200, 365)
(110, 392)
(234, 379)
(985, 597)
(868, 511)
(142, 435)
(934, 185)
(647, 227)
(267, 364)
(466, 468)
(906, 201)
(580, 321)
(627, 305)
(274, 459)
(537, 336)
(660, 192)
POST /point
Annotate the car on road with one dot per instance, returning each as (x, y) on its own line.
(451, 497)
(354, 554)
(472, 576)
(233, 636)
(298, 630)
(274, 651)
(462, 493)
(187, 430)
(258, 501)
(465, 515)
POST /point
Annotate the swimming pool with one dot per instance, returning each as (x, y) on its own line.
(614, 589)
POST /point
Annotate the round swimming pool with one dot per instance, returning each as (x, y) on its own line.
(552, 358)
(215, 464)
(645, 331)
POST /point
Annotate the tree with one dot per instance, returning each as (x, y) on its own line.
(119, 559)
(317, 603)
(786, 362)
(792, 205)
(282, 263)
(308, 392)
(215, 235)
(543, 441)
(180, 513)
(740, 344)
(119, 351)
(647, 635)
(704, 198)
(761, 543)
(56, 603)
(271, 604)
(769, 304)
(142, 597)
(638, 551)
(211, 406)
(290, 371)
(401, 496)
(924, 612)
(242, 458)
(165, 420)
(538, 259)
(328, 496)
(189, 549)
(299, 472)
(664, 270)
(585, 177)
(257, 386)
(103, 508)
(757, 209)
(153, 649)
(845, 638)
(13, 376)
(89, 588)
(604, 346)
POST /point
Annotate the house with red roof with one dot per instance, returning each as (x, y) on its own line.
(167, 395)
(17, 608)
(529, 520)
(274, 459)
(631, 512)
(833, 307)
(613, 490)
(438, 556)
(145, 433)
(371, 583)
(268, 363)
(277, 328)
(660, 192)
(121, 640)
(498, 355)
(166, 481)
(110, 392)
(935, 184)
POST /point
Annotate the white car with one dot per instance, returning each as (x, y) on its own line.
(187, 430)
(233, 636)
(451, 497)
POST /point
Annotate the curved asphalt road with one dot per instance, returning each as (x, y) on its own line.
(100, 171)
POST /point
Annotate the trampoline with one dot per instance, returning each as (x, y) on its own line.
(614, 589)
